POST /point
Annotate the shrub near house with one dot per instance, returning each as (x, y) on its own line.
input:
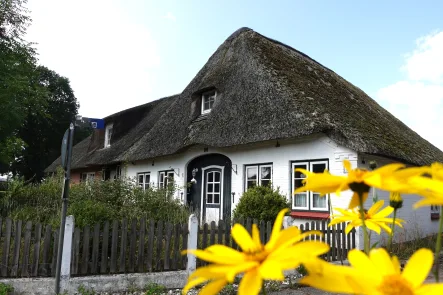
(261, 203)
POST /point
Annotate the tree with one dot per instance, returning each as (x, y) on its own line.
(42, 133)
(19, 89)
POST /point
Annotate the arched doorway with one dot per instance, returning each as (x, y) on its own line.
(209, 186)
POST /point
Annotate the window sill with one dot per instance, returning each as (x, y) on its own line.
(310, 215)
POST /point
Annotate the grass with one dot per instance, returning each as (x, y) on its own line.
(154, 289)
(404, 250)
(6, 289)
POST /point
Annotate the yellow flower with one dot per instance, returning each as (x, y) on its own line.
(376, 274)
(285, 250)
(395, 200)
(389, 177)
(374, 219)
(430, 188)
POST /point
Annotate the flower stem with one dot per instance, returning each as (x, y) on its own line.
(438, 245)
(391, 237)
(365, 231)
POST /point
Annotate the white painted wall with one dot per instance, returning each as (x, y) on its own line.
(418, 221)
(309, 148)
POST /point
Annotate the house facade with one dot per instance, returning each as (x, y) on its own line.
(257, 110)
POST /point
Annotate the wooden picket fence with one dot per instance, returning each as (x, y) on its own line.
(340, 243)
(135, 246)
(114, 247)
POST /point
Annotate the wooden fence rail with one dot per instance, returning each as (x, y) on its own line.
(129, 246)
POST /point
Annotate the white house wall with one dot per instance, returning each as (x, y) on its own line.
(418, 221)
(314, 147)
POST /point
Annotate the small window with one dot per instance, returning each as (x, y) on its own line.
(435, 212)
(258, 175)
(165, 178)
(118, 172)
(108, 134)
(208, 100)
(106, 174)
(87, 177)
(144, 180)
(308, 200)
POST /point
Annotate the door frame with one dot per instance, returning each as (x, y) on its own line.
(203, 197)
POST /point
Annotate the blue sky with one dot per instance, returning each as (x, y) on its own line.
(119, 54)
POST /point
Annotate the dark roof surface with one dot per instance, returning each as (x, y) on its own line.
(265, 91)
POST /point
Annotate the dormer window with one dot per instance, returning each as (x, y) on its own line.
(208, 99)
(108, 135)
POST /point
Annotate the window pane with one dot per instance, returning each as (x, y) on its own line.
(146, 186)
(210, 188)
(206, 105)
(318, 168)
(299, 174)
(298, 183)
(162, 176)
(147, 178)
(217, 198)
(217, 188)
(251, 183)
(209, 198)
(319, 202)
(300, 200)
(210, 177)
(266, 172)
(171, 175)
(251, 173)
(140, 178)
(217, 176)
(265, 182)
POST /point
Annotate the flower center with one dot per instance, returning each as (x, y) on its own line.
(258, 256)
(395, 285)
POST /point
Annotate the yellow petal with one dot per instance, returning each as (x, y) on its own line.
(418, 266)
(349, 227)
(430, 289)
(396, 264)
(271, 270)
(299, 253)
(213, 287)
(384, 212)
(355, 201)
(222, 250)
(377, 206)
(361, 262)
(276, 229)
(256, 236)
(215, 271)
(250, 284)
(243, 239)
(347, 165)
(328, 277)
(192, 283)
(372, 226)
(382, 261)
(214, 258)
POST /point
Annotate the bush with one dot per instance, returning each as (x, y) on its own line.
(6, 289)
(91, 203)
(261, 203)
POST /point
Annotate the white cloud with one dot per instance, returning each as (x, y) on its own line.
(418, 100)
(107, 57)
(170, 16)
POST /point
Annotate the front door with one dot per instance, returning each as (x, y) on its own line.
(212, 194)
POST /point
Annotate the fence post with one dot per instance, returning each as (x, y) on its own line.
(192, 242)
(65, 271)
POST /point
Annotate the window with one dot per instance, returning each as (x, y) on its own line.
(208, 100)
(258, 175)
(144, 180)
(108, 134)
(87, 177)
(106, 174)
(435, 212)
(213, 188)
(165, 178)
(308, 200)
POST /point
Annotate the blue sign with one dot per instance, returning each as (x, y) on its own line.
(97, 123)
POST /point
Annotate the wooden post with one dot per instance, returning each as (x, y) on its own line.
(65, 271)
(192, 242)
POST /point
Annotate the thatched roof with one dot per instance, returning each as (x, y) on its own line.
(266, 91)
(128, 127)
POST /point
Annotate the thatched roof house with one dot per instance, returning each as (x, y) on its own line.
(252, 91)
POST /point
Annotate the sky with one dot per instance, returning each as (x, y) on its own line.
(119, 54)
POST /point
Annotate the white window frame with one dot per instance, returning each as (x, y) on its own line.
(89, 176)
(107, 137)
(258, 179)
(310, 202)
(214, 183)
(144, 184)
(205, 96)
(435, 209)
(166, 174)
